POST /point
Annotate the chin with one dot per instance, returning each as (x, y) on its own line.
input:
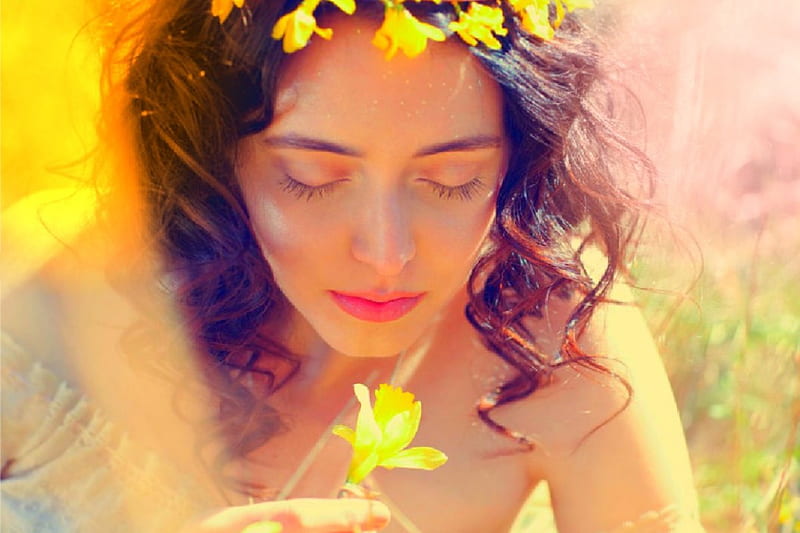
(369, 346)
(370, 351)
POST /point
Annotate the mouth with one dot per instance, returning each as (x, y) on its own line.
(377, 308)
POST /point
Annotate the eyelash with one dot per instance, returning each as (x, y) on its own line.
(463, 192)
(302, 191)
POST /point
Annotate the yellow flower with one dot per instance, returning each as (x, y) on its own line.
(571, 5)
(382, 434)
(480, 23)
(349, 6)
(296, 27)
(535, 16)
(223, 8)
(578, 4)
(400, 29)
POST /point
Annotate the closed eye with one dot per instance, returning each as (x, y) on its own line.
(463, 192)
(306, 192)
(302, 191)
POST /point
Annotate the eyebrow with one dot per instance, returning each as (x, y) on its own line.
(467, 144)
(300, 142)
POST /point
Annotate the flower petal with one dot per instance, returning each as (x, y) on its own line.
(345, 432)
(464, 33)
(368, 433)
(390, 401)
(421, 457)
(480, 23)
(559, 13)
(402, 30)
(430, 31)
(360, 467)
(401, 430)
(536, 21)
(578, 4)
(221, 9)
(348, 6)
(325, 33)
(279, 29)
(297, 27)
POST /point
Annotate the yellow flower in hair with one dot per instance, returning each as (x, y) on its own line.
(572, 5)
(480, 23)
(402, 30)
(535, 15)
(222, 8)
(297, 27)
(349, 6)
(382, 434)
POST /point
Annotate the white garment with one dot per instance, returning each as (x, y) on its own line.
(66, 468)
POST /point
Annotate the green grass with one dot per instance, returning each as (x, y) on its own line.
(732, 349)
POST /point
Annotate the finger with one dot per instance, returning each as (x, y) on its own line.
(309, 515)
(269, 526)
(302, 515)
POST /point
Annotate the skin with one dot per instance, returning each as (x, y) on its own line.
(380, 219)
(300, 515)
(383, 227)
(375, 223)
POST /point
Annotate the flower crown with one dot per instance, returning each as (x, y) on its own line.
(477, 22)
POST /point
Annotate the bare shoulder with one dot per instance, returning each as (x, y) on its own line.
(611, 443)
(40, 235)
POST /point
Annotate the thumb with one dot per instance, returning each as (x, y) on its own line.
(309, 515)
(300, 515)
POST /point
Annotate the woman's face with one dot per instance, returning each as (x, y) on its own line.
(374, 187)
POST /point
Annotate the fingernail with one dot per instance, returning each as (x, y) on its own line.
(267, 526)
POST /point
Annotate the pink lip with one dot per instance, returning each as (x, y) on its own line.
(377, 307)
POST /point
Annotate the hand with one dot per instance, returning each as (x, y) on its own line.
(301, 515)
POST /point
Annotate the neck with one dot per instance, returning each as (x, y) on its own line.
(323, 368)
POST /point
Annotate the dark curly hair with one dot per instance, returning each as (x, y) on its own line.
(189, 88)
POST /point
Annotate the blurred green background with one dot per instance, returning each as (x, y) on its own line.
(719, 88)
(718, 84)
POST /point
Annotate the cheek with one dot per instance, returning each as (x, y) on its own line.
(278, 233)
(273, 219)
(459, 238)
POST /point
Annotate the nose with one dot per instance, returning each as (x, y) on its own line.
(383, 237)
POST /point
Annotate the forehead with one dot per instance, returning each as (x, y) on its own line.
(345, 87)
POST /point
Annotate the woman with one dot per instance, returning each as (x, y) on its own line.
(411, 195)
